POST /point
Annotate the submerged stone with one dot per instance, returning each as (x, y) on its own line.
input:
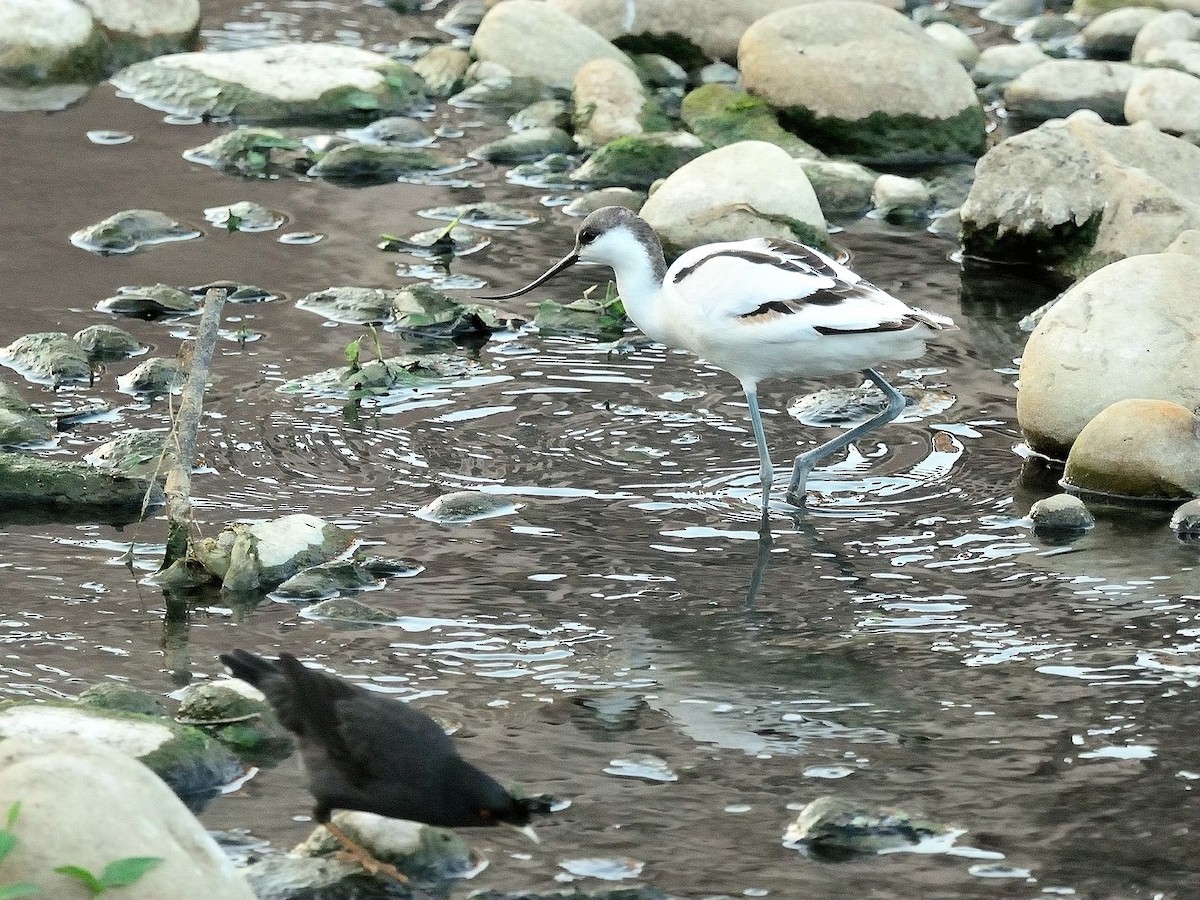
(275, 83)
(482, 215)
(107, 342)
(48, 357)
(150, 302)
(350, 305)
(380, 376)
(327, 580)
(638, 162)
(139, 452)
(130, 230)
(157, 375)
(1061, 513)
(380, 161)
(345, 609)
(245, 216)
(524, 146)
(831, 825)
(41, 490)
(604, 318)
(400, 130)
(254, 152)
(439, 243)
(464, 507)
(20, 422)
(426, 312)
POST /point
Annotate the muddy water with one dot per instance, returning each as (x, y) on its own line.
(912, 642)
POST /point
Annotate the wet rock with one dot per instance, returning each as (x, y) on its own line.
(501, 90)
(743, 190)
(192, 764)
(443, 68)
(1001, 63)
(530, 144)
(1049, 31)
(20, 422)
(439, 243)
(1010, 12)
(113, 695)
(658, 71)
(68, 786)
(601, 318)
(350, 305)
(346, 609)
(464, 507)
(829, 69)
(638, 162)
(239, 717)
(610, 102)
(1174, 25)
(1089, 351)
(1058, 87)
(368, 162)
(275, 83)
(257, 557)
(1168, 100)
(400, 130)
(646, 766)
(1111, 34)
(139, 452)
(46, 98)
(130, 230)
(542, 114)
(253, 152)
(422, 311)
(107, 342)
(615, 196)
(1185, 521)
(157, 376)
(482, 215)
(244, 215)
(381, 376)
(150, 302)
(683, 30)
(535, 40)
(1072, 195)
(39, 490)
(1148, 449)
(328, 580)
(900, 199)
(843, 189)
(1061, 513)
(720, 114)
(836, 827)
(956, 41)
(48, 357)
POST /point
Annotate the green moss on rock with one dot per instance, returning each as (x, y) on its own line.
(672, 45)
(1065, 246)
(634, 162)
(719, 115)
(885, 139)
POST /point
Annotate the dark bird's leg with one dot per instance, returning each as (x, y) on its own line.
(805, 461)
(357, 851)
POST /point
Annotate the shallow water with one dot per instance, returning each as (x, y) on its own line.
(912, 643)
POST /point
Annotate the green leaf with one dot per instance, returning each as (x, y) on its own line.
(13, 812)
(24, 889)
(8, 840)
(124, 872)
(90, 881)
(233, 222)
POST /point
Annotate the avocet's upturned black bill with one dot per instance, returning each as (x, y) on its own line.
(366, 751)
(762, 308)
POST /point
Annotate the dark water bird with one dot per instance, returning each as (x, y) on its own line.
(760, 308)
(364, 751)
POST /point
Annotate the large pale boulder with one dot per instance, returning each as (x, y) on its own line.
(1077, 194)
(609, 103)
(681, 29)
(1058, 87)
(1175, 25)
(262, 555)
(1181, 55)
(1111, 34)
(1001, 63)
(743, 190)
(277, 83)
(1168, 100)
(535, 40)
(833, 68)
(1148, 449)
(85, 804)
(1130, 330)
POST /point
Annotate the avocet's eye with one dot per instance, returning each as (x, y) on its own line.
(586, 236)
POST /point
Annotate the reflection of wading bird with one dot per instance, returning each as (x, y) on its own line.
(367, 752)
(758, 309)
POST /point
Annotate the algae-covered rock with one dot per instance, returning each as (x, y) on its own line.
(638, 162)
(350, 305)
(418, 849)
(843, 189)
(426, 312)
(238, 716)
(254, 152)
(328, 580)
(347, 609)
(602, 318)
(368, 162)
(444, 68)
(48, 357)
(114, 695)
(275, 83)
(130, 230)
(259, 556)
(245, 215)
(191, 763)
(834, 826)
(380, 376)
(150, 302)
(463, 507)
(720, 114)
(1061, 513)
(157, 375)
(107, 342)
(138, 452)
(36, 490)
(20, 422)
(523, 146)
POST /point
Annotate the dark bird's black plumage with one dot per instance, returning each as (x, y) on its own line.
(364, 751)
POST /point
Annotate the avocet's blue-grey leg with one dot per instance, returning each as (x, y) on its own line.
(765, 473)
(805, 461)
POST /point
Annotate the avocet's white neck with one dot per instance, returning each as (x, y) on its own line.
(636, 258)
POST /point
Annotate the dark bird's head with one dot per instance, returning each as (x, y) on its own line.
(474, 798)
